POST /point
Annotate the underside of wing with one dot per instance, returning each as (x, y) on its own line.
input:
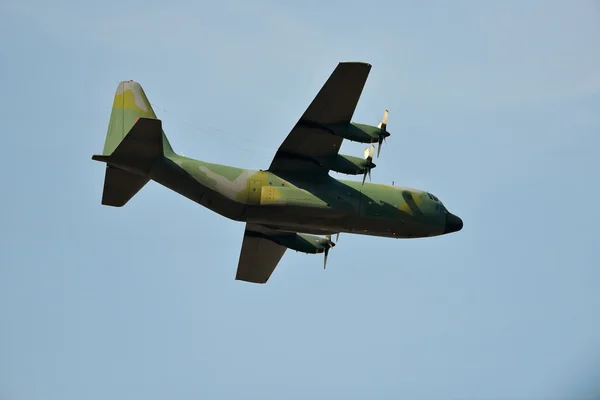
(313, 140)
(259, 256)
(264, 246)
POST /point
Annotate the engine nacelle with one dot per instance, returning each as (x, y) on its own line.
(302, 242)
(361, 133)
(345, 164)
(354, 132)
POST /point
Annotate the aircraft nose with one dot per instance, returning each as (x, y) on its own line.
(453, 223)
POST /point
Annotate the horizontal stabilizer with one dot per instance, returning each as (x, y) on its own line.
(129, 165)
(142, 146)
(120, 186)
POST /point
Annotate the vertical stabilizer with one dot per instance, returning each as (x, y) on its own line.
(129, 104)
(134, 142)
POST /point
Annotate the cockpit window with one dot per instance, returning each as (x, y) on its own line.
(432, 197)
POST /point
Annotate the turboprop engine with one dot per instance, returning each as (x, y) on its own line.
(363, 133)
(304, 243)
(349, 165)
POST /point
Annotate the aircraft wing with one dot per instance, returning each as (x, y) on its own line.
(334, 104)
(259, 256)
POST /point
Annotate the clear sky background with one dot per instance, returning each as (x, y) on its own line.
(494, 108)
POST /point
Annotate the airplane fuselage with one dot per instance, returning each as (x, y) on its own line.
(316, 205)
(292, 204)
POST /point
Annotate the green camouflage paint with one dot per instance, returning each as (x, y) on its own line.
(250, 195)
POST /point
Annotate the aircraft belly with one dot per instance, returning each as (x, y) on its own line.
(299, 217)
(180, 181)
(223, 206)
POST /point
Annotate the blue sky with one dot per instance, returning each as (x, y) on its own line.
(493, 108)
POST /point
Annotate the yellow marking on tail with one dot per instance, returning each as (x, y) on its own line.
(127, 101)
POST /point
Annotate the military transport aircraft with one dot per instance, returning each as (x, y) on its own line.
(287, 205)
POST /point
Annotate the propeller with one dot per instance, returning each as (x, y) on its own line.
(384, 133)
(368, 162)
(330, 245)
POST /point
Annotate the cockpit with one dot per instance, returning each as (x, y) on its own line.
(439, 206)
(452, 223)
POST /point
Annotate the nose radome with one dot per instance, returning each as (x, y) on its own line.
(453, 223)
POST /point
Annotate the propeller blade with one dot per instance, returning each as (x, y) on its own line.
(369, 151)
(337, 237)
(383, 124)
(330, 245)
(384, 133)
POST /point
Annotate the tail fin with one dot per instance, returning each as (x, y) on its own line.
(134, 141)
(130, 103)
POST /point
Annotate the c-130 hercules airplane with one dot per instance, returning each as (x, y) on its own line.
(295, 199)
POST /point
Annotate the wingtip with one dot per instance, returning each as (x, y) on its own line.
(366, 64)
(100, 157)
(248, 280)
